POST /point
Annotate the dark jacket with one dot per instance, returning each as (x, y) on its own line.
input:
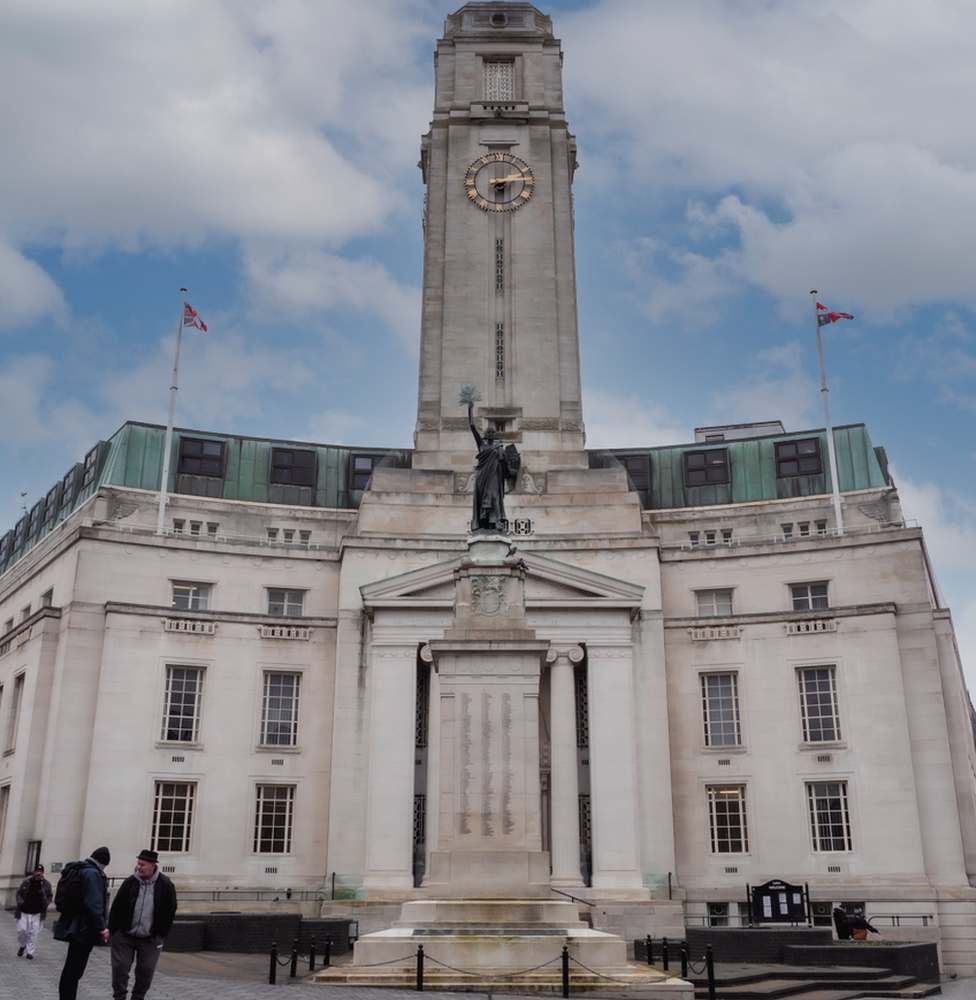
(47, 894)
(87, 924)
(164, 905)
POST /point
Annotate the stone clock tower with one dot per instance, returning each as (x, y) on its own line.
(499, 305)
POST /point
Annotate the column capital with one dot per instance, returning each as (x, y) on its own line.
(574, 654)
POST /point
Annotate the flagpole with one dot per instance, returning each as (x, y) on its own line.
(830, 431)
(164, 483)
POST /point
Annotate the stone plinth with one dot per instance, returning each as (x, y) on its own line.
(465, 942)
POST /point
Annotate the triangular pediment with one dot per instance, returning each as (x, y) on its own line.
(548, 583)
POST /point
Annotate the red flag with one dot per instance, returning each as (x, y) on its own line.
(190, 318)
(825, 317)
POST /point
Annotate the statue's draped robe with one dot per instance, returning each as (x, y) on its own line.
(489, 487)
(498, 468)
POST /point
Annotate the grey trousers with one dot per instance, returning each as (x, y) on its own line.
(145, 951)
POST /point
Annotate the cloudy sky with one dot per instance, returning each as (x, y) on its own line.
(733, 155)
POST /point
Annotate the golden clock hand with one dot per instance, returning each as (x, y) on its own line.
(502, 181)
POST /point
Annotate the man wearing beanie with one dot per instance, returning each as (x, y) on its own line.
(87, 925)
(33, 898)
(141, 917)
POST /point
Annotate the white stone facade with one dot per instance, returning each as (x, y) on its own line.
(686, 725)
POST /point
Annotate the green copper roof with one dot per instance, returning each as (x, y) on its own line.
(332, 476)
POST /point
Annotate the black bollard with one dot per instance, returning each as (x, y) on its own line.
(327, 952)
(650, 949)
(273, 970)
(294, 959)
(565, 971)
(420, 968)
(311, 954)
(684, 959)
(710, 966)
(664, 954)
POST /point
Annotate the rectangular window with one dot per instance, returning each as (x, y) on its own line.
(787, 531)
(201, 458)
(798, 458)
(181, 714)
(727, 536)
(499, 80)
(809, 596)
(47, 598)
(638, 475)
(279, 710)
(272, 534)
(212, 529)
(821, 527)
(804, 527)
(818, 704)
(50, 506)
(292, 467)
(286, 602)
(91, 468)
(830, 821)
(305, 537)
(25, 613)
(273, 819)
(714, 602)
(5, 548)
(720, 710)
(693, 538)
(19, 529)
(727, 819)
(361, 469)
(173, 816)
(288, 536)
(178, 526)
(191, 596)
(195, 527)
(68, 489)
(705, 468)
(34, 522)
(13, 719)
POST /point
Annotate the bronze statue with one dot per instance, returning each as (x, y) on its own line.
(498, 468)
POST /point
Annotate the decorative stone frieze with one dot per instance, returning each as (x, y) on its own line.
(716, 632)
(191, 626)
(809, 627)
(284, 632)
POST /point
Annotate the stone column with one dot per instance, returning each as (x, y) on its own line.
(613, 772)
(389, 800)
(564, 839)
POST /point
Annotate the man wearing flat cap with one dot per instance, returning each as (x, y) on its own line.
(141, 917)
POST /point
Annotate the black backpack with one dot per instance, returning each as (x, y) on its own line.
(68, 896)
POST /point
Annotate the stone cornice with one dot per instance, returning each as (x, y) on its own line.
(774, 617)
(243, 617)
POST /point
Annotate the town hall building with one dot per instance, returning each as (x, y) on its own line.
(679, 675)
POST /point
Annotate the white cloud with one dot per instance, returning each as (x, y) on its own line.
(834, 124)
(614, 421)
(31, 414)
(130, 123)
(27, 292)
(222, 380)
(778, 389)
(297, 282)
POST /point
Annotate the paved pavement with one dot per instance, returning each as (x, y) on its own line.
(214, 976)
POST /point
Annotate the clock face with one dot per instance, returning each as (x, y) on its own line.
(499, 182)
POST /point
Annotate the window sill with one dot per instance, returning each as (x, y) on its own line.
(820, 747)
(723, 751)
(266, 748)
(177, 745)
